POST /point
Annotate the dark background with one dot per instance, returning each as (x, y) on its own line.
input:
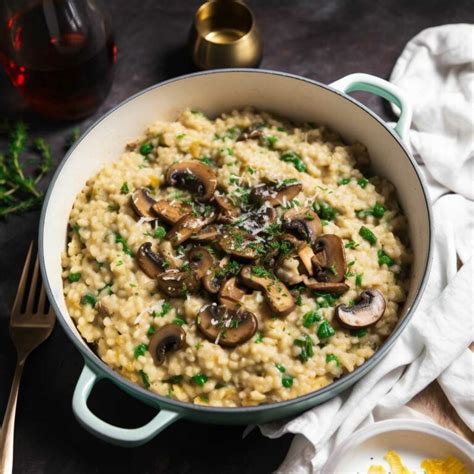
(322, 40)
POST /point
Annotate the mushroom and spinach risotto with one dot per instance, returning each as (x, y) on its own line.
(236, 261)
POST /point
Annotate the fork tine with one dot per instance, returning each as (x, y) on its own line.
(42, 299)
(33, 288)
(22, 285)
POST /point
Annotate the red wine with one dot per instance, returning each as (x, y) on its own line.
(60, 56)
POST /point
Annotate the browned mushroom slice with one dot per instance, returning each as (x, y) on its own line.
(187, 226)
(253, 132)
(369, 308)
(168, 338)
(329, 261)
(200, 261)
(171, 212)
(305, 223)
(239, 244)
(306, 254)
(337, 288)
(210, 233)
(151, 263)
(142, 203)
(224, 326)
(216, 275)
(277, 295)
(274, 194)
(231, 294)
(175, 283)
(227, 211)
(195, 176)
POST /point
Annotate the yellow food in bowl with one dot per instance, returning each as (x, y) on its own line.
(450, 465)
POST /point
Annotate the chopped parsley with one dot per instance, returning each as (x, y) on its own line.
(165, 308)
(306, 345)
(173, 380)
(151, 331)
(324, 211)
(362, 182)
(179, 321)
(261, 272)
(204, 398)
(258, 338)
(269, 141)
(295, 159)
(287, 381)
(121, 240)
(140, 350)
(159, 232)
(73, 277)
(325, 330)
(199, 379)
(146, 148)
(310, 318)
(351, 244)
(124, 188)
(88, 298)
(358, 280)
(325, 300)
(281, 368)
(250, 170)
(207, 161)
(333, 358)
(180, 136)
(359, 332)
(368, 235)
(145, 378)
(344, 181)
(384, 259)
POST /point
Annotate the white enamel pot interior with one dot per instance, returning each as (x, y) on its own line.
(215, 92)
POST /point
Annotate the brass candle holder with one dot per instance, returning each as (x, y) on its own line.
(224, 34)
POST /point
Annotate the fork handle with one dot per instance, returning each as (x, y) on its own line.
(8, 426)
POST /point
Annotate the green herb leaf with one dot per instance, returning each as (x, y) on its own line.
(325, 330)
(140, 350)
(145, 378)
(287, 381)
(73, 277)
(325, 300)
(258, 338)
(159, 232)
(295, 159)
(368, 235)
(280, 368)
(151, 331)
(384, 259)
(306, 345)
(333, 358)
(310, 318)
(358, 280)
(165, 309)
(179, 321)
(88, 298)
(351, 244)
(359, 332)
(344, 181)
(199, 379)
(124, 188)
(121, 240)
(324, 211)
(174, 379)
(362, 182)
(146, 148)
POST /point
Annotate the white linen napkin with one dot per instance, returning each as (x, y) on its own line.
(436, 70)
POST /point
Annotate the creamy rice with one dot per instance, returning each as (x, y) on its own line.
(259, 370)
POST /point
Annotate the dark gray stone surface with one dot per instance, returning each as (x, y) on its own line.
(323, 40)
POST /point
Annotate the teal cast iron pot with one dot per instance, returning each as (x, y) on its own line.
(215, 92)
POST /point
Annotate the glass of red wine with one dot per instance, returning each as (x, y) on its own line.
(59, 54)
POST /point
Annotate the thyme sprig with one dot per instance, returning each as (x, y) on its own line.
(18, 189)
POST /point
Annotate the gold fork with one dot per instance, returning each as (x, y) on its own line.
(28, 329)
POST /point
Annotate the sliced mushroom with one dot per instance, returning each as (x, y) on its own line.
(171, 212)
(227, 211)
(306, 254)
(214, 277)
(224, 326)
(168, 253)
(305, 223)
(210, 233)
(277, 295)
(253, 132)
(337, 288)
(274, 193)
(239, 244)
(168, 338)
(195, 176)
(329, 261)
(151, 263)
(369, 308)
(102, 309)
(200, 261)
(175, 283)
(142, 203)
(186, 227)
(231, 294)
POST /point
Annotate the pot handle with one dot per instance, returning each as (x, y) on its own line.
(127, 437)
(382, 88)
